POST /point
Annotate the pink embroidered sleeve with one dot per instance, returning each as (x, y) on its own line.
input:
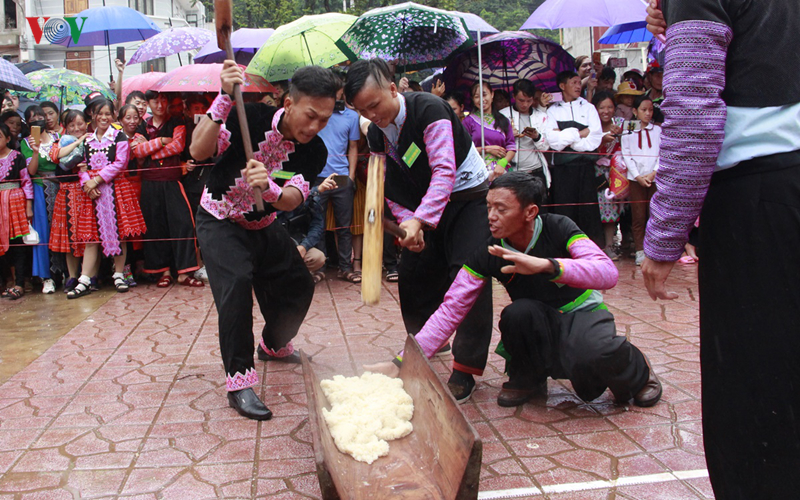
(693, 132)
(457, 302)
(25, 183)
(400, 212)
(175, 147)
(220, 108)
(300, 183)
(120, 163)
(440, 147)
(588, 268)
(223, 139)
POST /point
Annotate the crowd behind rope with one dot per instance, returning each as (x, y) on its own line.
(112, 190)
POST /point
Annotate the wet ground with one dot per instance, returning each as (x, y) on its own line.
(122, 396)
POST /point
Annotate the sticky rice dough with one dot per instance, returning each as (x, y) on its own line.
(366, 412)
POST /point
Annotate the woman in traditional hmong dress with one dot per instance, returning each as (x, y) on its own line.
(16, 210)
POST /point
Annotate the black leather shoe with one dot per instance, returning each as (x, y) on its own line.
(513, 395)
(650, 394)
(247, 404)
(293, 358)
(462, 385)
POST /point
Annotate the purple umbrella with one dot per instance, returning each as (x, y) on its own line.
(555, 14)
(245, 41)
(172, 41)
(11, 78)
(508, 56)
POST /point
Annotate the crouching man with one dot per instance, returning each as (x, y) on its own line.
(557, 324)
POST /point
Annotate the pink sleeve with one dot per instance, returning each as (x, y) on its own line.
(84, 177)
(25, 183)
(400, 212)
(440, 147)
(456, 304)
(175, 147)
(223, 139)
(148, 148)
(120, 163)
(588, 268)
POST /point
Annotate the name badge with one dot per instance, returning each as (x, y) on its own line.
(411, 155)
(282, 174)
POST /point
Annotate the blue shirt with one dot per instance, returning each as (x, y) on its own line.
(756, 132)
(337, 134)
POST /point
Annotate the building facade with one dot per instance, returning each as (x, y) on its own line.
(91, 60)
(583, 42)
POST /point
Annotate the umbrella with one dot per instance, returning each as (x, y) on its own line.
(205, 78)
(506, 57)
(11, 78)
(410, 35)
(554, 14)
(108, 25)
(172, 41)
(142, 83)
(30, 66)
(308, 40)
(64, 86)
(626, 33)
(476, 24)
(245, 42)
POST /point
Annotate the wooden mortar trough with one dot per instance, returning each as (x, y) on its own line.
(440, 459)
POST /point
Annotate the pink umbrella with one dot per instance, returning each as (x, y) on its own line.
(205, 78)
(142, 83)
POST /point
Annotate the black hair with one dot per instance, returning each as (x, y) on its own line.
(124, 109)
(602, 96)
(150, 95)
(564, 77)
(101, 103)
(525, 86)
(7, 134)
(455, 96)
(528, 190)
(195, 98)
(640, 99)
(360, 71)
(501, 122)
(48, 104)
(8, 98)
(314, 81)
(579, 61)
(415, 86)
(9, 114)
(608, 74)
(70, 115)
(33, 110)
(133, 95)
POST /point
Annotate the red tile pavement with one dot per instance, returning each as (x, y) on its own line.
(131, 403)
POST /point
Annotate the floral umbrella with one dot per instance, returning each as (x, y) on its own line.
(170, 42)
(412, 36)
(308, 40)
(64, 86)
(205, 78)
(508, 56)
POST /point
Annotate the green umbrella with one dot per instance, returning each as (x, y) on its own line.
(64, 86)
(306, 41)
(412, 36)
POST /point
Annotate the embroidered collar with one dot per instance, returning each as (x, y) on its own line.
(537, 231)
(110, 135)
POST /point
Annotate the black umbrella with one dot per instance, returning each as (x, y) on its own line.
(30, 66)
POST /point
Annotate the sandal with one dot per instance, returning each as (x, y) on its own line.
(192, 282)
(165, 281)
(317, 276)
(13, 293)
(80, 290)
(392, 276)
(351, 276)
(120, 283)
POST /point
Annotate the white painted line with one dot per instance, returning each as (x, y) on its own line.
(594, 485)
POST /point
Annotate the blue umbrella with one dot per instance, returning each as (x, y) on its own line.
(626, 33)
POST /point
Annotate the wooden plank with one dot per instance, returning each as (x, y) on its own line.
(439, 460)
(372, 253)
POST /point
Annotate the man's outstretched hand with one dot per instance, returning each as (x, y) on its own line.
(655, 279)
(521, 263)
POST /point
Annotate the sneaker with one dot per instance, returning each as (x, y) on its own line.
(639, 257)
(611, 253)
(201, 274)
(48, 286)
(444, 350)
(462, 385)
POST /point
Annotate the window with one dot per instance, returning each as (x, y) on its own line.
(11, 15)
(159, 64)
(143, 6)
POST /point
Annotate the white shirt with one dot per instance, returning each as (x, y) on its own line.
(392, 131)
(641, 160)
(581, 111)
(528, 156)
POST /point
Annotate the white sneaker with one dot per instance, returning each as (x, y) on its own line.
(48, 286)
(201, 274)
(639, 257)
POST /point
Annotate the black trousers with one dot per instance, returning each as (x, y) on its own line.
(168, 217)
(342, 200)
(17, 257)
(575, 183)
(425, 277)
(241, 262)
(581, 346)
(750, 329)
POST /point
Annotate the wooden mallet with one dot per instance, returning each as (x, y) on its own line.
(374, 226)
(223, 10)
